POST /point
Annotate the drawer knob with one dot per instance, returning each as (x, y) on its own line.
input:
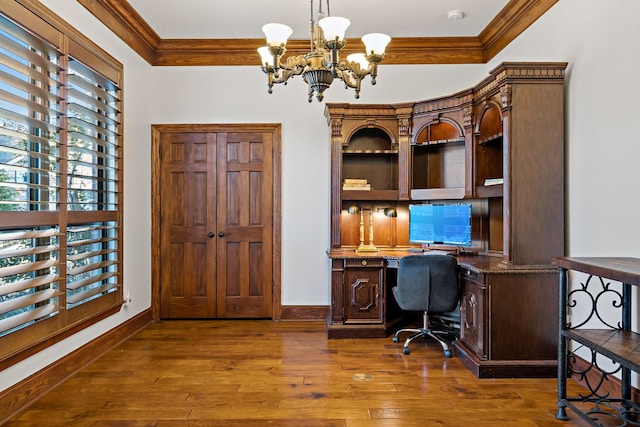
(364, 262)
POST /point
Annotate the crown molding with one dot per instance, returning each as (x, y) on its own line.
(124, 21)
(510, 22)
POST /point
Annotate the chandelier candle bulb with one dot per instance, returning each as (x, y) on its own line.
(375, 43)
(265, 56)
(334, 28)
(277, 34)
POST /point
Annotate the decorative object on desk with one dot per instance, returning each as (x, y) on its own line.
(356, 184)
(320, 66)
(390, 212)
(362, 247)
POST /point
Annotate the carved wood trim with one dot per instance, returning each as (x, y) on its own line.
(123, 20)
(305, 312)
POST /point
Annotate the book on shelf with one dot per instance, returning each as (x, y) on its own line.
(493, 181)
(354, 181)
(360, 187)
(358, 184)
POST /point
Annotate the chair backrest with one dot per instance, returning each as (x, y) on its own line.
(428, 282)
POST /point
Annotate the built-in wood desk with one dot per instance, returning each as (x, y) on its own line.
(508, 315)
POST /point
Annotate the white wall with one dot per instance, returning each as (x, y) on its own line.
(601, 144)
(600, 43)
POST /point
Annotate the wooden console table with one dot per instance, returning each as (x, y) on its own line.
(600, 335)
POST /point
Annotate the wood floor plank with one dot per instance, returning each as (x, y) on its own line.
(242, 373)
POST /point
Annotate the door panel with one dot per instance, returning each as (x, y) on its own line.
(362, 294)
(187, 186)
(245, 249)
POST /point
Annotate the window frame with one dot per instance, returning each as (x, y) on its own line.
(107, 217)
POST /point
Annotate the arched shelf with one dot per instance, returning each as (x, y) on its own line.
(369, 165)
(489, 151)
(438, 161)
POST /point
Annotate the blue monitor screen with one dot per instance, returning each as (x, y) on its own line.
(440, 224)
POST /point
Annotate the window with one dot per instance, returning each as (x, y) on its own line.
(60, 181)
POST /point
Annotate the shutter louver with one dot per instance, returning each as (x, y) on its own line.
(29, 121)
(29, 281)
(92, 144)
(92, 262)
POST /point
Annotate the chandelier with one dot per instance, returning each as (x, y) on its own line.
(322, 65)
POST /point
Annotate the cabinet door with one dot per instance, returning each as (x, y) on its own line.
(363, 295)
(473, 318)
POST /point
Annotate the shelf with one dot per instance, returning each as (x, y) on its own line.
(490, 139)
(369, 195)
(437, 193)
(369, 151)
(439, 141)
(618, 345)
(622, 269)
(490, 190)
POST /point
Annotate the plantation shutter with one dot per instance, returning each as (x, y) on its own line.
(92, 184)
(30, 78)
(60, 181)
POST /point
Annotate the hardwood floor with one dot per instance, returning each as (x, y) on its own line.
(264, 373)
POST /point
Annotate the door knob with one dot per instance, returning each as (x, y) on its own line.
(211, 235)
(221, 234)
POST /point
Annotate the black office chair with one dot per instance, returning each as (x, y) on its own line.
(430, 284)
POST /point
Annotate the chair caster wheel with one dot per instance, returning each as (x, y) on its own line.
(448, 353)
(405, 350)
(396, 339)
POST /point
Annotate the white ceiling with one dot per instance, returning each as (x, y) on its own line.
(244, 18)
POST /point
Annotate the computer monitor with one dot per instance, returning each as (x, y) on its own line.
(447, 224)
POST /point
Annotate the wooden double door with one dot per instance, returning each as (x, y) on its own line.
(214, 217)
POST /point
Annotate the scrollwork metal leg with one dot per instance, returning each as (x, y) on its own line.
(561, 414)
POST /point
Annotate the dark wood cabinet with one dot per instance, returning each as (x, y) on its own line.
(507, 319)
(361, 300)
(498, 146)
(363, 281)
(473, 316)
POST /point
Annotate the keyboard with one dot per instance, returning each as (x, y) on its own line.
(437, 252)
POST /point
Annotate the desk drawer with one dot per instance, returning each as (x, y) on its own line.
(467, 274)
(393, 263)
(363, 262)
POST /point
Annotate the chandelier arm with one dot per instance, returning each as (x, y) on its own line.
(349, 80)
(351, 75)
(353, 69)
(295, 64)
